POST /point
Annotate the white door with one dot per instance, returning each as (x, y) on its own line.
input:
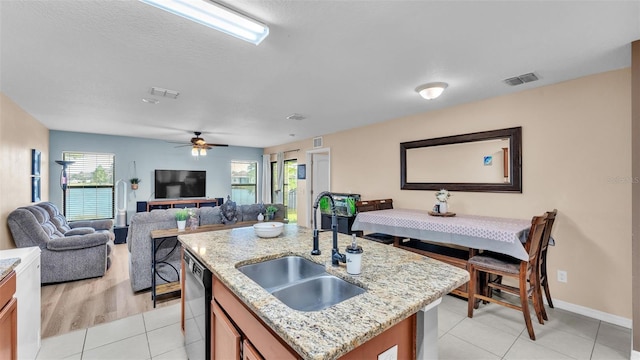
(320, 165)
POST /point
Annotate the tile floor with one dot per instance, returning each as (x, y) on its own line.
(495, 332)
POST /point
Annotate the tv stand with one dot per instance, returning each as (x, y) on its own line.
(180, 203)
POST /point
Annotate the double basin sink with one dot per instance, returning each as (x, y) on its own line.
(299, 283)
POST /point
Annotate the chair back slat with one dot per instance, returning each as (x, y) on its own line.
(534, 239)
(385, 204)
(551, 217)
(363, 206)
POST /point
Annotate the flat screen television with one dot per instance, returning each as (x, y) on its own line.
(175, 184)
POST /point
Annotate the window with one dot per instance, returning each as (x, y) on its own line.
(90, 191)
(290, 187)
(244, 186)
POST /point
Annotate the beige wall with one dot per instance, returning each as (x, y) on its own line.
(576, 158)
(19, 133)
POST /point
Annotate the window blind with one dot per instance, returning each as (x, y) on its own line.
(90, 191)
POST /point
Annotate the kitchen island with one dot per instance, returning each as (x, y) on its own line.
(398, 285)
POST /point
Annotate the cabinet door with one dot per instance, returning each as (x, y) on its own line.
(249, 352)
(9, 330)
(225, 339)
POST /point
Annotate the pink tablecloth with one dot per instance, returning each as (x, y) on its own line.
(480, 232)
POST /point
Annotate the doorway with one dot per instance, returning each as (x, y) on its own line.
(319, 161)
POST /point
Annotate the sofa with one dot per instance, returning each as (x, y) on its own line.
(69, 250)
(139, 239)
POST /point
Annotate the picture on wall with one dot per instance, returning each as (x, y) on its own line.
(35, 189)
(302, 171)
(35, 162)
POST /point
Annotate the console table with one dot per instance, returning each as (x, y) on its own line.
(160, 236)
(180, 203)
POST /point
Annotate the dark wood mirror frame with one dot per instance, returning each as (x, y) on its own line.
(515, 164)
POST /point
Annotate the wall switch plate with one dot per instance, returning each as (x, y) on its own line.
(562, 276)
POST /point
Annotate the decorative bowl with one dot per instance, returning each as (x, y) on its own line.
(268, 229)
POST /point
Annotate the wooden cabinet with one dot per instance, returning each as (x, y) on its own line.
(260, 342)
(8, 318)
(264, 342)
(225, 339)
(249, 352)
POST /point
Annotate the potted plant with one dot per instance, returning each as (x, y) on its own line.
(134, 183)
(270, 212)
(181, 217)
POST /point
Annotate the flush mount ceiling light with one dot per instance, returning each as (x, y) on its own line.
(216, 17)
(296, 116)
(150, 101)
(432, 90)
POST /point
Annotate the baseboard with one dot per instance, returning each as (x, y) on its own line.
(592, 313)
(635, 355)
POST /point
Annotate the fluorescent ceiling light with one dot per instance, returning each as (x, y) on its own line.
(215, 16)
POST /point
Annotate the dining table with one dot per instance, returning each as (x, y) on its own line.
(497, 234)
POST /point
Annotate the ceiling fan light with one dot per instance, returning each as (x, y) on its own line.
(203, 152)
(194, 151)
(431, 91)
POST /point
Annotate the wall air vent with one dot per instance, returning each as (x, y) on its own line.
(521, 79)
(317, 142)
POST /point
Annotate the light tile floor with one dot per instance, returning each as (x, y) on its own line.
(494, 332)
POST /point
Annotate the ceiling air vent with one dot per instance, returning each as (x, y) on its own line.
(317, 142)
(521, 79)
(172, 94)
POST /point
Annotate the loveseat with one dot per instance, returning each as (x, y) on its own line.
(70, 250)
(139, 240)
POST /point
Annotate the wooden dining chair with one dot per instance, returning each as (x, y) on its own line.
(543, 279)
(525, 271)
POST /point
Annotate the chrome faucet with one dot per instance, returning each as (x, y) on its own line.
(336, 257)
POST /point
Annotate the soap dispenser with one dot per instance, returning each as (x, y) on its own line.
(354, 257)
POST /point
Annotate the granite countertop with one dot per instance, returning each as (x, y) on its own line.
(398, 284)
(6, 265)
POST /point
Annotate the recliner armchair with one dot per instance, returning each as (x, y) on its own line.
(70, 251)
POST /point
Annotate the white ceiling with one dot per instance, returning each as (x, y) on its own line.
(86, 65)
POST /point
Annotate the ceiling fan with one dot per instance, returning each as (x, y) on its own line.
(199, 146)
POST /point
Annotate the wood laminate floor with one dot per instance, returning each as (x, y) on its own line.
(81, 304)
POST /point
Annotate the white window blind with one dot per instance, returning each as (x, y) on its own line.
(90, 191)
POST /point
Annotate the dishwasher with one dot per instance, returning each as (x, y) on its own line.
(197, 308)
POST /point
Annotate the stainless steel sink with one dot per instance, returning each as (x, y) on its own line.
(317, 293)
(273, 274)
(299, 283)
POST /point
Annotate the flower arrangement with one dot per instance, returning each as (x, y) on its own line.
(443, 195)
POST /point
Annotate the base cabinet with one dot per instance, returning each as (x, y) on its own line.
(249, 352)
(264, 343)
(225, 339)
(234, 324)
(8, 318)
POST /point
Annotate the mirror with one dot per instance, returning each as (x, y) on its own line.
(488, 161)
